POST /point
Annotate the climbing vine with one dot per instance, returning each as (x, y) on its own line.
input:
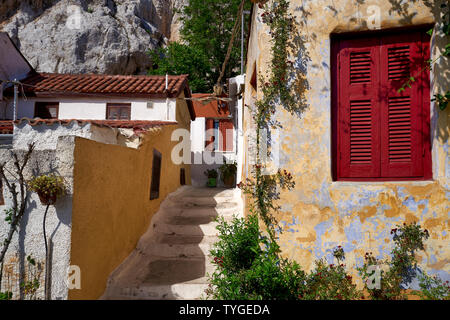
(442, 99)
(277, 91)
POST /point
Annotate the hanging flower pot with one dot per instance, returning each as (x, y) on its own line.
(48, 188)
(47, 199)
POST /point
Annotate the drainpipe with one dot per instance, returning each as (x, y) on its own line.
(16, 91)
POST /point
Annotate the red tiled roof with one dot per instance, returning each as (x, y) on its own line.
(209, 108)
(101, 84)
(56, 85)
(6, 127)
(137, 125)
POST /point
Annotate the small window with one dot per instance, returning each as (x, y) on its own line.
(156, 175)
(182, 176)
(118, 111)
(46, 110)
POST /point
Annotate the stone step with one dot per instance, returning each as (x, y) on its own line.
(181, 291)
(191, 203)
(195, 211)
(208, 229)
(172, 259)
(193, 220)
(183, 239)
(164, 250)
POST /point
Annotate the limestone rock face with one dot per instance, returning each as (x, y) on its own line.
(81, 36)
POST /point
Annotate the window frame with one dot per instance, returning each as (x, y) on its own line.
(155, 182)
(425, 101)
(119, 106)
(38, 104)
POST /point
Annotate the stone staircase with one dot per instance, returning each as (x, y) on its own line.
(172, 260)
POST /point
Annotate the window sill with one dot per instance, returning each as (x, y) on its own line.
(382, 182)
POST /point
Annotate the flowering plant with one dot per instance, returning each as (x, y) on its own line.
(48, 187)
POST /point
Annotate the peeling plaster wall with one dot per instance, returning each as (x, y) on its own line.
(46, 136)
(320, 213)
(29, 239)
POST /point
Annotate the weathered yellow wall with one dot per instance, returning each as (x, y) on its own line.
(320, 213)
(111, 202)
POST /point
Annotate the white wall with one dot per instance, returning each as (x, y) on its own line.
(29, 240)
(46, 137)
(198, 135)
(239, 121)
(93, 108)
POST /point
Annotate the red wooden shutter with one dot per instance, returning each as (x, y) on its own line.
(358, 116)
(383, 133)
(209, 127)
(226, 131)
(401, 113)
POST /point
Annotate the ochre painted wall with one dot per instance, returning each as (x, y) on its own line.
(111, 201)
(320, 213)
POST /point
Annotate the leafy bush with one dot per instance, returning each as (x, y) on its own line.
(227, 170)
(330, 282)
(433, 288)
(211, 173)
(6, 295)
(401, 268)
(247, 266)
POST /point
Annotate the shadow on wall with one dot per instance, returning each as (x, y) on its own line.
(441, 68)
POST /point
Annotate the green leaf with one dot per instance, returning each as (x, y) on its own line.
(446, 29)
(430, 32)
(447, 50)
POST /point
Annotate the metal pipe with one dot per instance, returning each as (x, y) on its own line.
(16, 93)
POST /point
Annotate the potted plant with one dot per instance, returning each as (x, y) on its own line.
(48, 187)
(212, 177)
(228, 174)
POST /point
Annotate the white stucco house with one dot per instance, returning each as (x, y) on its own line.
(216, 132)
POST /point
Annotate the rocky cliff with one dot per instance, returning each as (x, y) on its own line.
(96, 36)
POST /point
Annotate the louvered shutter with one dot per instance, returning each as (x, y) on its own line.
(358, 116)
(226, 130)
(381, 133)
(402, 148)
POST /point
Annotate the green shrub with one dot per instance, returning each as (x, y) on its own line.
(433, 288)
(401, 268)
(248, 268)
(6, 295)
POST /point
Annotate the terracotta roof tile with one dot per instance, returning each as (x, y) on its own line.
(56, 85)
(209, 108)
(66, 84)
(137, 125)
(6, 127)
